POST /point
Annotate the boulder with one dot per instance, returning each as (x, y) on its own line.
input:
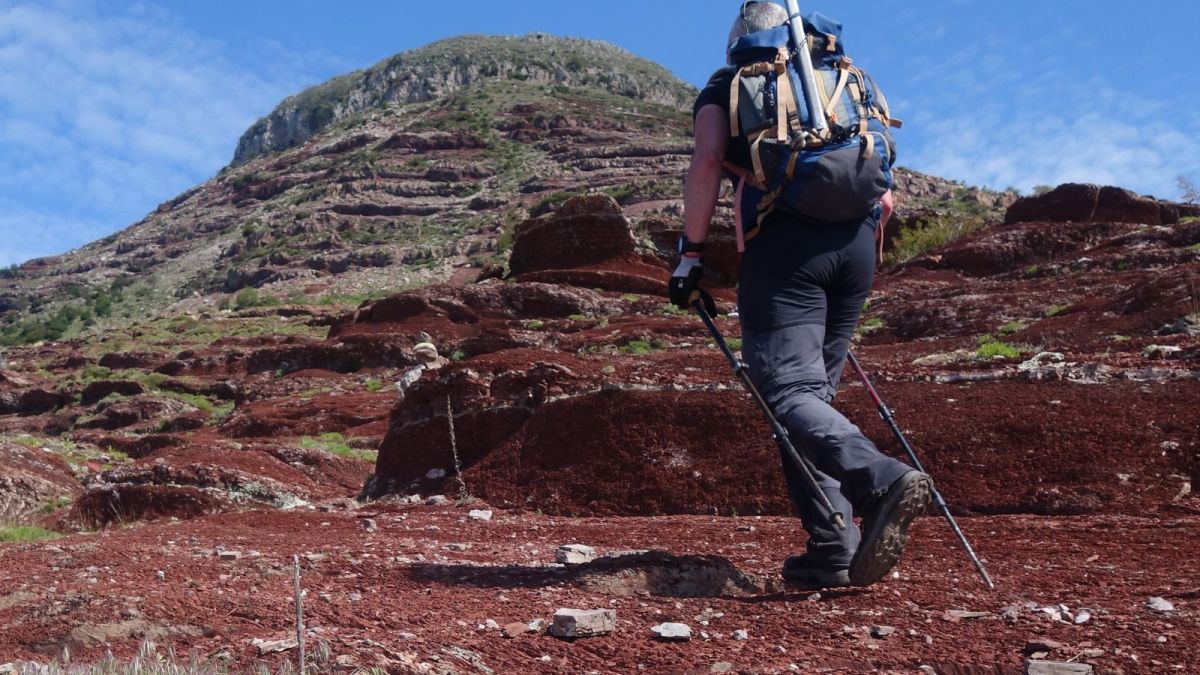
(576, 623)
(1075, 202)
(101, 389)
(31, 479)
(38, 401)
(585, 230)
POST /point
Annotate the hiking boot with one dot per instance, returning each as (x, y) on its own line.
(801, 569)
(885, 527)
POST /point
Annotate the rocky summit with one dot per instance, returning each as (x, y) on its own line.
(434, 290)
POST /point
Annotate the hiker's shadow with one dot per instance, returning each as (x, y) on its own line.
(639, 573)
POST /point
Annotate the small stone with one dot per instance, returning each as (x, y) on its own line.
(721, 667)
(479, 514)
(741, 634)
(780, 649)
(491, 624)
(355, 597)
(369, 524)
(406, 636)
(1161, 639)
(437, 500)
(435, 474)
(1083, 616)
(161, 575)
(1041, 645)
(1157, 604)
(672, 631)
(409, 499)
(229, 555)
(745, 528)
(574, 554)
(575, 623)
(1092, 653)
(1161, 351)
(512, 630)
(458, 547)
(881, 632)
(958, 614)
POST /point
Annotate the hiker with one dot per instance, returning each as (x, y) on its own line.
(801, 290)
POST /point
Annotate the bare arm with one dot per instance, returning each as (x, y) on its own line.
(888, 202)
(704, 173)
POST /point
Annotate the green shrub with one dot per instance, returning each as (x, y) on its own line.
(938, 230)
(1055, 310)
(990, 350)
(335, 444)
(25, 533)
(1011, 327)
(246, 298)
(374, 385)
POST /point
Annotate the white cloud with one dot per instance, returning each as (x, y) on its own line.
(106, 110)
(989, 111)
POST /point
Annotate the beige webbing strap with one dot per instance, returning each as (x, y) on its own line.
(742, 173)
(756, 160)
(791, 165)
(734, 89)
(868, 141)
(785, 102)
(843, 78)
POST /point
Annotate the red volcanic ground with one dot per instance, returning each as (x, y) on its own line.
(1045, 371)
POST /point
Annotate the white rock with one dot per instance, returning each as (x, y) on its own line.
(1083, 616)
(573, 623)
(229, 555)
(741, 634)
(880, 632)
(1157, 604)
(161, 575)
(574, 554)
(435, 474)
(491, 624)
(479, 514)
(437, 500)
(369, 524)
(672, 631)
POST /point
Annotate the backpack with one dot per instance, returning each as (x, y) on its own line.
(836, 176)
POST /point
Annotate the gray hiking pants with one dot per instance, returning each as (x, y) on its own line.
(800, 294)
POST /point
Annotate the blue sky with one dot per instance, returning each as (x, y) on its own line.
(109, 108)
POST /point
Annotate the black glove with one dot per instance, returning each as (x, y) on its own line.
(684, 286)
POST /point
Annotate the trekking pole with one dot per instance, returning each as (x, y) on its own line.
(781, 435)
(803, 63)
(886, 414)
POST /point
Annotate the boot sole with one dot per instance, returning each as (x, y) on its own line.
(883, 542)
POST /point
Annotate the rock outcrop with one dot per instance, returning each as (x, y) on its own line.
(1084, 203)
(443, 68)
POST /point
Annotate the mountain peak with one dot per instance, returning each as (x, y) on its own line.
(444, 67)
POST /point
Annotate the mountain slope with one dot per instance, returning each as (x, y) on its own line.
(412, 171)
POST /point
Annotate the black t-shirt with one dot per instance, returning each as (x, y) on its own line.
(716, 92)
